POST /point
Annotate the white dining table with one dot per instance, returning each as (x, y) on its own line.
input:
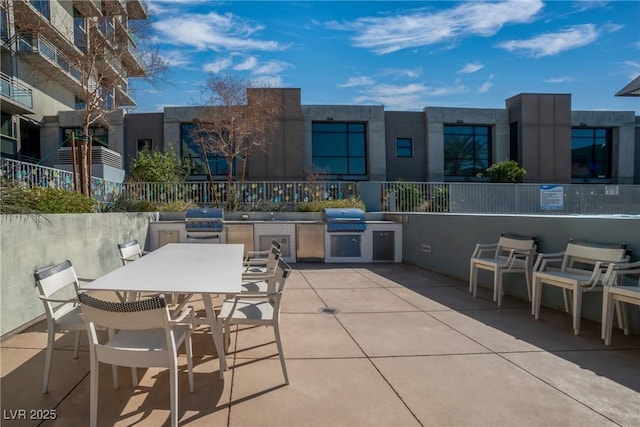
(186, 268)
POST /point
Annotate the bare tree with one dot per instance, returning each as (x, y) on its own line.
(104, 51)
(242, 117)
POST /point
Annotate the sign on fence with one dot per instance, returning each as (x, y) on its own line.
(551, 197)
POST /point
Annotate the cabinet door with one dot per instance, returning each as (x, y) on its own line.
(240, 233)
(168, 236)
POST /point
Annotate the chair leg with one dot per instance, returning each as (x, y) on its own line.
(134, 377)
(51, 337)
(577, 309)
(473, 274)
(565, 296)
(173, 392)
(537, 298)
(189, 350)
(497, 287)
(607, 316)
(114, 376)
(276, 331)
(623, 319)
(76, 344)
(93, 393)
(527, 278)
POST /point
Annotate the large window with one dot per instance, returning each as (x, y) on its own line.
(591, 153)
(339, 148)
(192, 151)
(467, 150)
(404, 147)
(99, 136)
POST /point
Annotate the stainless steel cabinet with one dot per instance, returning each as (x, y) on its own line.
(310, 242)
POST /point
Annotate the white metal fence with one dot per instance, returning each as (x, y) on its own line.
(579, 199)
(583, 199)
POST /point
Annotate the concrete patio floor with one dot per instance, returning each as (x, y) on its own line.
(407, 348)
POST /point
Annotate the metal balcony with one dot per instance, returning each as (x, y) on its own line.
(16, 97)
(47, 58)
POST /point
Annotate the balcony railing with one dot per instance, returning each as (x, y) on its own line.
(16, 91)
(38, 44)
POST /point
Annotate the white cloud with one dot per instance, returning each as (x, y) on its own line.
(270, 67)
(409, 97)
(471, 68)
(212, 31)
(421, 28)
(484, 88)
(175, 58)
(563, 79)
(248, 64)
(217, 66)
(550, 44)
(268, 81)
(358, 81)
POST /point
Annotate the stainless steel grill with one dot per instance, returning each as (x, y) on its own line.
(345, 220)
(204, 224)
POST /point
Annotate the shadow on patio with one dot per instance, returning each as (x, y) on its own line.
(407, 348)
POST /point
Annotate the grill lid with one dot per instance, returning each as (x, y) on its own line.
(350, 219)
(204, 219)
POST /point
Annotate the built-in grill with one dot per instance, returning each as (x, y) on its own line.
(345, 220)
(204, 225)
(345, 231)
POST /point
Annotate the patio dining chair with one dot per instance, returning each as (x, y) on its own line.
(580, 268)
(141, 334)
(58, 286)
(622, 287)
(261, 256)
(261, 267)
(130, 251)
(511, 254)
(259, 308)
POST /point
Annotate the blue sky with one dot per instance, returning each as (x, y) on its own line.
(404, 55)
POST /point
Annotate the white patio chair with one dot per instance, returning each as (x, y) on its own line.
(621, 290)
(58, 286)
(260, 308)
(512, 254)
(254, 269)
(579, 268)
(130, 251)
(141, 334)
(261, 256)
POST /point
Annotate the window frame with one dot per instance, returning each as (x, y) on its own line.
(476, 159)
(352, 161)
(197, 169)
(597, 134)
(410, 147)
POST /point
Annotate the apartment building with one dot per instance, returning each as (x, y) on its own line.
(554, 143)
(58, 56)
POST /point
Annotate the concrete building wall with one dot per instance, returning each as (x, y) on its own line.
(401, 124)
(142, 126)
(438, 117)
(89, 241)
(545, 135)
(624, 138)
(282, 158)
(373, 115)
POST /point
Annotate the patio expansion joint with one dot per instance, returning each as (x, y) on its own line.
(370, 360)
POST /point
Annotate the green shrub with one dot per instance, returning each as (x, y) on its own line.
(17, 199)
(504, 171)
(320, 205)
(120, 203)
